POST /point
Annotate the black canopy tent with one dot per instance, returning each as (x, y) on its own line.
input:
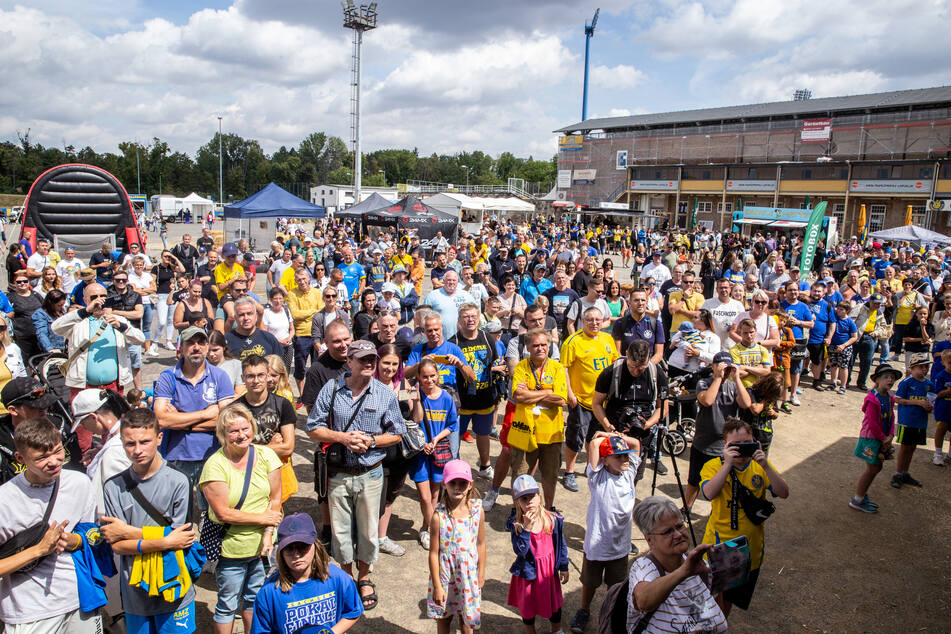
(411, 213)
(373, 203)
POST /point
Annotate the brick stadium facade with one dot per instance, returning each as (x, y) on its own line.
(887, 151)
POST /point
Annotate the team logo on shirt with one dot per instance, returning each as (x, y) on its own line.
(648, 334)
(93, 536)
(756, 481)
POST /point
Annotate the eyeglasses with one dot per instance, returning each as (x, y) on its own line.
(670, 532)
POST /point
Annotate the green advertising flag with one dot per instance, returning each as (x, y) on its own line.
(811, 239)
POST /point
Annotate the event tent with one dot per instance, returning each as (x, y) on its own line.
(199, 206)
(411, 213)
(273, 202)
(373, 203)
(911, 233)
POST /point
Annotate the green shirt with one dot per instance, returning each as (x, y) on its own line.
(242, 541)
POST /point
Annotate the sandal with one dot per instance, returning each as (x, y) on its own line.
(369, 601)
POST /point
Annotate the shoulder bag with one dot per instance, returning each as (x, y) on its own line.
(29, 537)
(64, 366)
(411, 443)
(213, 533)
(330, 455)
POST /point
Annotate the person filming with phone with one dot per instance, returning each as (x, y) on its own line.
(736, 486)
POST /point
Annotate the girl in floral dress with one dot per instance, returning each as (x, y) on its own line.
(541, 564)
(456, 552)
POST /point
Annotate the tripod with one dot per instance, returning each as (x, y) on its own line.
(659, 438)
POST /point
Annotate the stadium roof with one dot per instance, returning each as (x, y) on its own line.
(810, 107)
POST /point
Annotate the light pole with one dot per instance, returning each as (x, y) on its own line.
(466, 167)
(384, 176)
(588, 34)
(221, 182)
(359, 19)
(138, 173)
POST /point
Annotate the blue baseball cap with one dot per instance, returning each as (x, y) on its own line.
(295, 528)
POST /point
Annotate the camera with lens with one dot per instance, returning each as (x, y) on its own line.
(631, 419)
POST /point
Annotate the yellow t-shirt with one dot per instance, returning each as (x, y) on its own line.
(754, 355)
(288, 279)
(872, 318)
(754, 478)
(586, 357)
(223, 274)
(5, 377)
(480, 255)
(242, 541)
(303, 306)
(548, 423)
(406, 262)
(694, 302)
(907, 303)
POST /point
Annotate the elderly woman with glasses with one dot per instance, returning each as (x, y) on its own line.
(669, 585)
(325, 315)
(767, 331)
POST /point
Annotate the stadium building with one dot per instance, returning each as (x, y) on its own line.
(884, 151)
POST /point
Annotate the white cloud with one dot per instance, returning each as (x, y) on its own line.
(620, 76)
(619, 112)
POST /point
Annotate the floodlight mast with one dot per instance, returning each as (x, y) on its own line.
(359, 19)
(588, 34)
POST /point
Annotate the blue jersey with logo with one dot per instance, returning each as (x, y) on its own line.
(913, 390)
(312, 606)
(801, 312)
(447, 373)
(823, 315)
(942, 406)
(352, 274)
(377, 275)
(844, 329)
(93, 562)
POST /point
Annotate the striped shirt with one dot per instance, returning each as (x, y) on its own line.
(379, 414)
(689, 607)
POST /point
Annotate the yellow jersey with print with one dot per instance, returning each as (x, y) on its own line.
(548, 422)
(872, 318)
(586, 357)
(754, 478)
(755, 355)
(406, 262)
(694, 302)
(223, 274)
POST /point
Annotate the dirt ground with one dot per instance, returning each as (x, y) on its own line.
(828, 568)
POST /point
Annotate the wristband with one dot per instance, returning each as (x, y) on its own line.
(138, 547)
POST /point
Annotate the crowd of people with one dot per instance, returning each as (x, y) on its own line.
(522, 339)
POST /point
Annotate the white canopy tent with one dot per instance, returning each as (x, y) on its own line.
(199, 206)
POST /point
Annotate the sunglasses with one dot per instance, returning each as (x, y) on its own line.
(759, 301)
(330, 295)
(95, 297)
(35, 393)
(240, 290)
(120, 279)
(21, 282)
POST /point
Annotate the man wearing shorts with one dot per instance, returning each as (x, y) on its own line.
(585, 354)
(820, 334)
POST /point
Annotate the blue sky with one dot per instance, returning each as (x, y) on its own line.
(439, 76)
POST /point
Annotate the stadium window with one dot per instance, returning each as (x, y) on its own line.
(752, 173)
(728, 208)
(844, 173)
(704, 207)
(881, 173)
(706, 175)
(918, 216)
(806, 174)
(838, 212)
(925, 172)
(876, 218)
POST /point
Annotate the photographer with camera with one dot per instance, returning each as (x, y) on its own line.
(630, 392)
(718, 397)
(736, 486)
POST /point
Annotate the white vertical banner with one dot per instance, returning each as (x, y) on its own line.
(564, 179)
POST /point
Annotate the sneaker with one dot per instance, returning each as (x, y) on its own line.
(494, 433)
(570, 483)
(580, 622)
(485, 472)
(862, 506)
(390, 547)
(869, 502)
(468, 437)
(786, 407)
(152, 352)
(169, 345)
(795, 399)
(841, 389)
(832, 387)
(907, 479)
(937, 460)
(896, 481)
(660, 468)
(489, 500)
(424, 539)
(817, 385)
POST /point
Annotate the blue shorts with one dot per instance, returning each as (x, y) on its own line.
(135, 355)
(424, 469)
(238, 583)
(181, 620)
(482, 424)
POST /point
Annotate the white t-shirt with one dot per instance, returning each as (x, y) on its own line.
(278, 324)
(68, 271)
(38, 262)
(610, 512)
(50, 589)
(277, 269)
(724, 315)
(577, 308)
(140, 282)
(689, 607)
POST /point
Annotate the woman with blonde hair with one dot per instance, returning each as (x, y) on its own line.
(254, 473)
(49, 280)
(277, 379)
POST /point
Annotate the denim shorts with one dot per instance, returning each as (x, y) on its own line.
(239, 581)
(135, 356)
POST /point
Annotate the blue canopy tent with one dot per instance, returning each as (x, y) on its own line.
(261, 210)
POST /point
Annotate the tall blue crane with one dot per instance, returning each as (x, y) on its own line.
(588, 34)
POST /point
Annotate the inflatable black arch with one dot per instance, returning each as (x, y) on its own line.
(80, 206)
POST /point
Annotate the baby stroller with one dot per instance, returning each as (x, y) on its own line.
(45, 368)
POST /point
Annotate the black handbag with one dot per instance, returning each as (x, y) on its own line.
(442, 450)
(757, 509)
(31, 536)
(213, 533)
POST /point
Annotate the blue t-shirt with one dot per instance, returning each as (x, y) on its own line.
(880, 264)
(913, 390)
(833, 298)
(102, 356)
(531, 290)
(801, 312)
(447, 373)
(942, 406)
(844, 329)
(823, 315)
(309, 606)
(936, 349)
(5, 304)
(440, 414)
(352, 274)
(213, 387)
(736, 277)
(377, 275)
